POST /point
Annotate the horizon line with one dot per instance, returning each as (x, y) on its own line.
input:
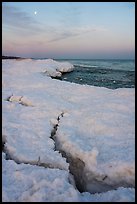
(10, 56)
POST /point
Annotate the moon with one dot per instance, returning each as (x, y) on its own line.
(35, 12)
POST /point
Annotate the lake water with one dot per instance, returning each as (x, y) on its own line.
(104, 73)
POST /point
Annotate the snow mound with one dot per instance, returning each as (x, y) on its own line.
(55, 69)
(20, 99)
(49, 66)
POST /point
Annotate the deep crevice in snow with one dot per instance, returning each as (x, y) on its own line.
(84, 180)
(55, 128)
(76, 166)
(87, 181)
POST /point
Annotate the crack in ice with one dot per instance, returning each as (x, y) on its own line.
(76, 166)
(84, 180)
(9, 156)
(55, 128)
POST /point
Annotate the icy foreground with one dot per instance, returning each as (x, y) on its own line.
(64, 141)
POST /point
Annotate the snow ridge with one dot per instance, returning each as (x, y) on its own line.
(20, 99)
(10, 156)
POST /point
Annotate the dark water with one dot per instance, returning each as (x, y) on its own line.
(104, 73)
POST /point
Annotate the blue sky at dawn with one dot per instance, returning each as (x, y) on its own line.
(90, 30)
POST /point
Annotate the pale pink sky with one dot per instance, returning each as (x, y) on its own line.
(69, 30)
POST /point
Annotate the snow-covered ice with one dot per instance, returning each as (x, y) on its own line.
(30, 183)
(96, 134)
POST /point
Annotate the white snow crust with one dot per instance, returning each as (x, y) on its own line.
(97, 128)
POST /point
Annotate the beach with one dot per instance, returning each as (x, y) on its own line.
(64, 141)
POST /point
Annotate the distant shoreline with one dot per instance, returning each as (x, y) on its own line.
(35, 58)
(12, 57)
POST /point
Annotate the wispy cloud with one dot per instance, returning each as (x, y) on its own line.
(19, 21)
(22, 24)
(66, 33)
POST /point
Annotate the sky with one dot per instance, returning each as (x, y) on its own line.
(69, 30)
